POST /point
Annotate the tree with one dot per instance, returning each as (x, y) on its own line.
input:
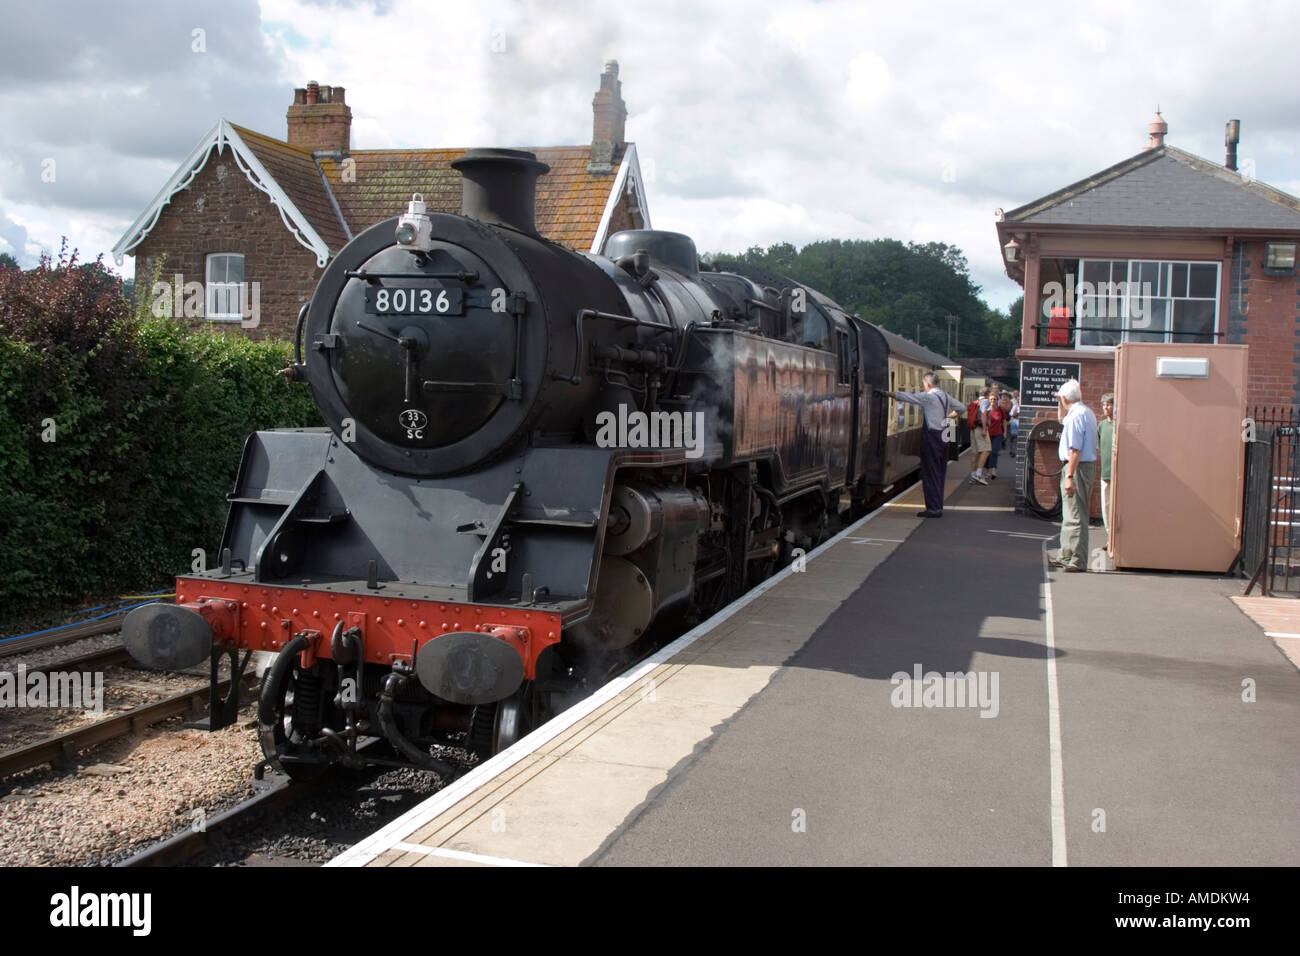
(8, 262)
(906, 288)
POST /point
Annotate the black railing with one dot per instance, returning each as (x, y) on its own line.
(1064, 336)
(1270, 533)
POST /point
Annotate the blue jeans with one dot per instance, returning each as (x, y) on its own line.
(996, 442)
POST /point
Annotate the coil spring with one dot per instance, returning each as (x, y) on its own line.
(307, 693)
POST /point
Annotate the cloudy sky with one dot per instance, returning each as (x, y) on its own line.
(757, 122)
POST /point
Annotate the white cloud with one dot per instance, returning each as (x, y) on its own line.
(785, 121)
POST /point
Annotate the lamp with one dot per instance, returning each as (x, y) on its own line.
(1279, 258)
(1011, 251)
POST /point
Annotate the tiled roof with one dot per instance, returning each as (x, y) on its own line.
(570, 200)
(296, 173)
(1165, 187)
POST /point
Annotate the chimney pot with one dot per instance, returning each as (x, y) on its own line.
(1156, 131)
(319, 121)
(1231, 137)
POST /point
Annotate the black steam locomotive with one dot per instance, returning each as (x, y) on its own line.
(535, 460)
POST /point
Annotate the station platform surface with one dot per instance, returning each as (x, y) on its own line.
(927, 692)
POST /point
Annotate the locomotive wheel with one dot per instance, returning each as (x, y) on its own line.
(275, 729)
(496, 726)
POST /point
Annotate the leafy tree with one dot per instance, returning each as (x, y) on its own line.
(8, 262)
(908, 288)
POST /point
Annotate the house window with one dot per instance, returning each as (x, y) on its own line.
(1146, 301)
(225, 276)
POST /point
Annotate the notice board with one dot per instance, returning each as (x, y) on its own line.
(1040, 380)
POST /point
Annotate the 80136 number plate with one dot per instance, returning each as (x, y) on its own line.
(390, 300)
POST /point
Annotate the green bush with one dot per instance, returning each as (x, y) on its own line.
(148, 418)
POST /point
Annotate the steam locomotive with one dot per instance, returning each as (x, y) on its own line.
(535, 461)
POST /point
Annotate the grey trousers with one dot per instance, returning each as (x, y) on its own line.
(1074, 515)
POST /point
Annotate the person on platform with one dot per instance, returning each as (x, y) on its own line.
(1105, 440)
(938, 409)
(997, 431)
(979, 437)
(1077, 451)
(1013, 421)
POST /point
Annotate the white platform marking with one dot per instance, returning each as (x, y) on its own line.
(1054, 727)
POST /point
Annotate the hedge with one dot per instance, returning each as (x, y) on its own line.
(120, 436)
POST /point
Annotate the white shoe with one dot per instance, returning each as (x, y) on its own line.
(979, 480)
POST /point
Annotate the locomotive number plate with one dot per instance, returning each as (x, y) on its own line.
(387, 300)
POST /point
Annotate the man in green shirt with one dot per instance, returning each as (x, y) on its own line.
(1105, 438)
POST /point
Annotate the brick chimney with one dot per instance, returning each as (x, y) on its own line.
(609, 114)
(1156, 132)
(319, 120)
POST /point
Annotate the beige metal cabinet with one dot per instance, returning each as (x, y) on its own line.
(1179, 458)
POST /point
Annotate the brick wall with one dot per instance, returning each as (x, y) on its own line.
(625, 216)
(1267, 310)
(222, 212)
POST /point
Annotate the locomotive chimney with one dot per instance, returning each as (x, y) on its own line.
(500, 186)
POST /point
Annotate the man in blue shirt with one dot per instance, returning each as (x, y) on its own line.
(1077, 451)
(940, 411)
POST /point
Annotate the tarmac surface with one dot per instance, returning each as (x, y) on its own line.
(927, 692)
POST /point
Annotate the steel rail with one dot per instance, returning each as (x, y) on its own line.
(65, 747)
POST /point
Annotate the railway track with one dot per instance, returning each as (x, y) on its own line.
(64, 747)
(22, 645)
(273, 794)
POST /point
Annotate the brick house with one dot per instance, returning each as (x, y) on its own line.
(1205, 254)
(247, 208)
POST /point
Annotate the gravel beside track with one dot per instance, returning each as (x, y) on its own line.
(129, 793)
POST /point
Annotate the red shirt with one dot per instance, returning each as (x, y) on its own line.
(997, 419)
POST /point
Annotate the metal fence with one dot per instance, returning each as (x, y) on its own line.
(1270, 553)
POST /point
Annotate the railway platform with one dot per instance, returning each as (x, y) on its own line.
(926, 692)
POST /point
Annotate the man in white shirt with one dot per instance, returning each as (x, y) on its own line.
(1077, 451)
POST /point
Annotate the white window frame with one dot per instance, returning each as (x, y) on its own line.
(1125, 327)
(230, 290)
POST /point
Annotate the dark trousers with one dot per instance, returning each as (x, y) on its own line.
(996, 442)
(934, 467)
